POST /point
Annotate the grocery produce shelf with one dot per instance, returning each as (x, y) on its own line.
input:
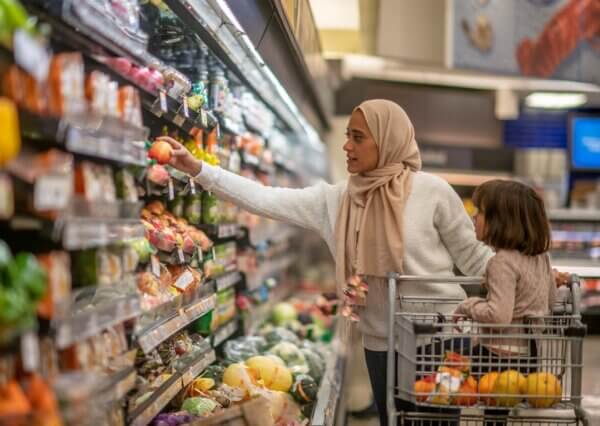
(151, 338)
(331, 387)
(227, 281)
(268, 269)
(222, 231)
(225, 332)
(120, 384)
(95, 136)
(143, 414)
(258, 315)
(91, 320)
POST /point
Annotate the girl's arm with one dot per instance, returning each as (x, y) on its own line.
(499, 304)
(458, 234)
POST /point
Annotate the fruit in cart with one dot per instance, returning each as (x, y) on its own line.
(272, 374)
(467, 393)
(486, 386)
(424, 387)
(544, 385)
(284, 313)
(457, 361)
(441, 395)
(511, 385)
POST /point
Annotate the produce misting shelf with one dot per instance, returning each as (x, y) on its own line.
(143, 414)
(225, 332)
(91, 320)
(151, 338)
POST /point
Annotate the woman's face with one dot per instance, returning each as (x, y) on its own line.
(361, 150)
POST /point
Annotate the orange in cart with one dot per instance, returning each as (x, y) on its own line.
(467, 393)
(486, 386)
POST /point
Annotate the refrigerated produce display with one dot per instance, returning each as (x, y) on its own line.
(128, 293)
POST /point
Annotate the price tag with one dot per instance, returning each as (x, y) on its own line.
(200, 254)
(30, 352)
(184, 280)
(179, 120)
(186, 110)
(218, 130)
(52, 192)
(203, 118)
(155, 265)
(171, 190)
(163, 101)
(7, 199)
(180, 255)
(31, 55)
(192, 186)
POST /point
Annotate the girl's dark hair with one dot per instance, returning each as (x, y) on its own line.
(515, 217)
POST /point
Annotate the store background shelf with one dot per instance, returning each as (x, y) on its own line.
(151, 338)
(225, 332)
(227, 281)
(268, 269)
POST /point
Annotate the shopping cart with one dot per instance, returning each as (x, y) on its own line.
(459, 372)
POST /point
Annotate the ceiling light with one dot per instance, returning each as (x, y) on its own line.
(555, 100)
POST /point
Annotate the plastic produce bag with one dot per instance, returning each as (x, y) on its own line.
(292, 356)
(276, 335)
(239, 350)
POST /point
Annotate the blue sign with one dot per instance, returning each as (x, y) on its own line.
(585, 143)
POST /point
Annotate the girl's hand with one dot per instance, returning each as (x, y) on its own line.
(182, 159)
(561, 278)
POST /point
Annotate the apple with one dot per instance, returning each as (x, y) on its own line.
(543, 384)
(161, 152)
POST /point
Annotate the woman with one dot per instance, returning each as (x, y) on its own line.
(388, 216)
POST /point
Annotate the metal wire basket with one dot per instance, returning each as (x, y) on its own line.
(445, 362)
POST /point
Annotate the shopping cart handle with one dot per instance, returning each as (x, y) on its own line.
(437, 279)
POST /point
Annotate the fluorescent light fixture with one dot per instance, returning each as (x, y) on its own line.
(336, 14)
(550, 100)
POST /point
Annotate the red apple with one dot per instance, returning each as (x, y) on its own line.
(161, 152)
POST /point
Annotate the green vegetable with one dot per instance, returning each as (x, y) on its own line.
(198, 406)
(143, 248)
(5, 255)
(291, 355)
(316, 364)
(277, 335)
(210, 208)
(214, 372)
(193, 208)
(14, 305)
(304, 389)
(284, 313)
(26, 273)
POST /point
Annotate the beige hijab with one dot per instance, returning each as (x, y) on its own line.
(369, 228)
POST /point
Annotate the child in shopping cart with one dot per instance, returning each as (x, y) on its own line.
(519, 279)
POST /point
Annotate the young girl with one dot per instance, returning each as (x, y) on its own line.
(519, 280)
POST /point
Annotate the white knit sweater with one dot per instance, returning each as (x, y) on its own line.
(437, 234)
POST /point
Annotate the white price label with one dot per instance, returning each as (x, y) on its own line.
(163, 101)
(203, 118)
(30, 352)
(180, 255)
(52, 192)
(192, 186)
(171, 189)
(218, 131)
(7, 199)
(179, 120)
(155, 265)
(186, 110)
(31, 55)
(184, 280)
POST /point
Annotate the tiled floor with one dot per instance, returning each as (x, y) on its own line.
(360, 392)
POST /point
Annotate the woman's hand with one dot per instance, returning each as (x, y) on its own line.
(182, 159)
(561, 278)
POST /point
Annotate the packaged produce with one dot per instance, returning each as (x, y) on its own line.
(239, 350)
(58, 270)
(274, 336)
(273, 374)
(214, 372)
(210, 208)
(96, 267)
(193, 208)
(292, 356)
(66, 80)
(172, 419)
(10, 137)
(143, 248)
(130, 107)
(315, 362)
(95, 182)
(97, 93)
(176, 205)
(125, 186)
(198, 406)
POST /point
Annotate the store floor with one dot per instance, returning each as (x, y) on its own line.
(591, 384)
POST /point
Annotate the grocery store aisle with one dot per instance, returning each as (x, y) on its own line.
(591, 383)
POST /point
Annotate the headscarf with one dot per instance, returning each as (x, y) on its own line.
(369, 229)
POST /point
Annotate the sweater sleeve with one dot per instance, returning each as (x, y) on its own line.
(305, 207)
(499, 304)
(458, 234)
